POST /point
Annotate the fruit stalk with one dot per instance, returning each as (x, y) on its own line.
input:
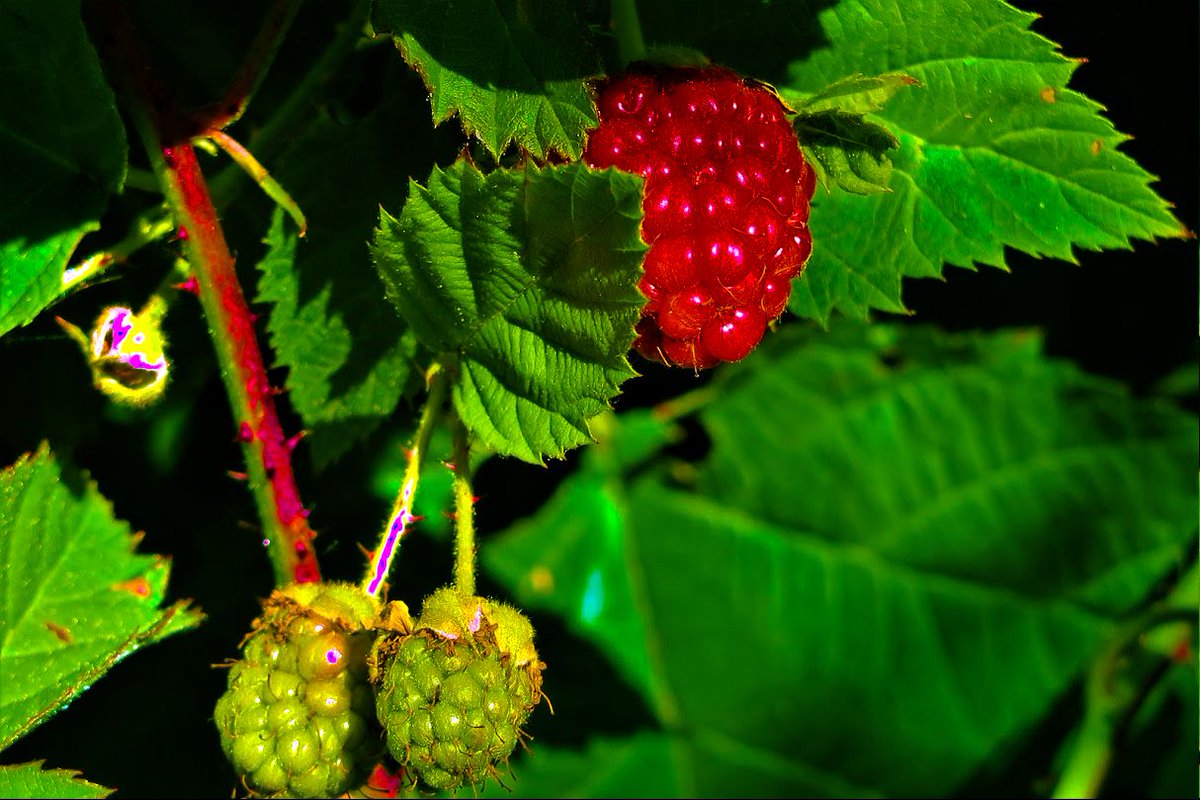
(266, 450)
(271, 187)
(402, 517)
(1112, 697)
(464, 511)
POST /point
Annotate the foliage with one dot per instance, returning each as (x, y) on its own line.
(920, 542)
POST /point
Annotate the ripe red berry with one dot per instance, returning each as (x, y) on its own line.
(725, 206)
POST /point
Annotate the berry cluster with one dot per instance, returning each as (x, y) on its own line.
(725, 206)
(452, 691)
(297, 717)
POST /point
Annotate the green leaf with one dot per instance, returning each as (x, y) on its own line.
(854, 94)
(860, 597)
(349, 357)
(831, 632)
(76, 598)
(30, 780)
(528, 280)
(848, 152)
(1073, 488)
(62, 150)
(512, 70)
(994, 152)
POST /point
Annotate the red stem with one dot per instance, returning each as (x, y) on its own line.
(266, 449)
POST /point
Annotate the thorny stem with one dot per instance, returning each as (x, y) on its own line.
(156, 223)
(267, 452)
(402, 517)
(464, 510)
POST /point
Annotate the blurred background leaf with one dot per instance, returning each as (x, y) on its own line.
(902, 551)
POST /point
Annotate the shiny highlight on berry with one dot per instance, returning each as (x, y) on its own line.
(725, 206)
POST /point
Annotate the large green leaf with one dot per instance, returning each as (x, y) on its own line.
(512, 70)
(807, 659)
(62, 150)
(994, 152)
(953, 447)
(74, 597)
(31, 780)
(867, 675)
(526, 282)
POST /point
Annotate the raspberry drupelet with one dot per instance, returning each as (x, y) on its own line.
(725, 206)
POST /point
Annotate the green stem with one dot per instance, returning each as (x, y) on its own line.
(464, 510)
(156, 223)
(402, 517)
(250, 165)
(267, 452)
(1109, 703)
(1090, 758)
(141, 179)
(630, 44)
(685, 404)
(149, 226)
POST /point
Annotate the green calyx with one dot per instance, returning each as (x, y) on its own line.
(457, 616)
(296, 719)
(454, 693)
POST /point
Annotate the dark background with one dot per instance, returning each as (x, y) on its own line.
(144, 727)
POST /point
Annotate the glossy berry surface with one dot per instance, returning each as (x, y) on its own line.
(297, 717)
(725, 206)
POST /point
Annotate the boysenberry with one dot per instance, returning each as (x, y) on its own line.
(453, 692)
(725, 206)
(297, 716)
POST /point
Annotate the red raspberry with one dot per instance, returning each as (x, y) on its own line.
(725, 206)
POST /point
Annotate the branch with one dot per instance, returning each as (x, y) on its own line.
(267, 452)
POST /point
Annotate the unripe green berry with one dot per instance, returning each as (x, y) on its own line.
(296, 719)
(453, 691)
